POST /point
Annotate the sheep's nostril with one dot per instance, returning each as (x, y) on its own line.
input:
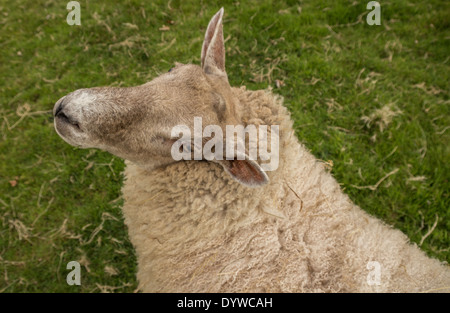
(62, 116)
(65, 119)
(58, 109)
(59, 106)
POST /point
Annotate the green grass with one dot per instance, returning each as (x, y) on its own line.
(340, 78)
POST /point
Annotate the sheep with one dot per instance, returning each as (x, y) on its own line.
(229, 225)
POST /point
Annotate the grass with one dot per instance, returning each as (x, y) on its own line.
(371, 101)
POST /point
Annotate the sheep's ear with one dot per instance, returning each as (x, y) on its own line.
(213, 50)
(247, 172)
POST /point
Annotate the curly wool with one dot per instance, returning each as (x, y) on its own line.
(195, 229)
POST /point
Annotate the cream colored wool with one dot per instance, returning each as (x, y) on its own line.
(195, 229)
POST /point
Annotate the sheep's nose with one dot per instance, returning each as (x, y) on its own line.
(59, 105)
(63, 117)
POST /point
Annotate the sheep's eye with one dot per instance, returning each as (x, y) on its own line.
(170, 70)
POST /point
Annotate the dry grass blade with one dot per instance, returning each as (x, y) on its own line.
(429, 231)
(374, 187)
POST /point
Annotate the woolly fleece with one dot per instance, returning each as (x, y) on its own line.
(195, 229)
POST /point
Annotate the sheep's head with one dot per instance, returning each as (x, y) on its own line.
(135, 123)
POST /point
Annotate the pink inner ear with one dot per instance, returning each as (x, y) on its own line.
(218, 49)
(208, 36)
(243, 171)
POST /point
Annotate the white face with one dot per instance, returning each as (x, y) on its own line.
(135, 123)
